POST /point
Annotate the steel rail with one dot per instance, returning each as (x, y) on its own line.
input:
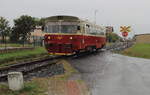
(27, 66)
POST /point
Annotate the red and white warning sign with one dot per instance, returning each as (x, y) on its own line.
(125, 30)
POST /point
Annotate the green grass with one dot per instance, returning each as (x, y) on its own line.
(14, 45)
(24, 54)
(138, 50)
(30, 88)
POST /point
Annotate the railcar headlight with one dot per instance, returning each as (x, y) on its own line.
(70, 38)
(49, 37)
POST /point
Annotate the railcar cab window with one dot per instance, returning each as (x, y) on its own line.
(62, 27)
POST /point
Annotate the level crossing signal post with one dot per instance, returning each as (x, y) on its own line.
(125, 32)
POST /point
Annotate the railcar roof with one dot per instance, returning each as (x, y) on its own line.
(70, 18)
(62, 17)
(66, 18)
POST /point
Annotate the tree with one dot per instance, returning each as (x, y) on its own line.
(4, 28)
(40, 22)
(22, 28)
(112, 37)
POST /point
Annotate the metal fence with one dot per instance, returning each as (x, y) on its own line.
(36, 42)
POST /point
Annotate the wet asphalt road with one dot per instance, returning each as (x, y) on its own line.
(113, 74)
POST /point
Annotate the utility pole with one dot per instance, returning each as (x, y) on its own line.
(95, 12)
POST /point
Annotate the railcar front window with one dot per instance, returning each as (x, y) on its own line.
(53, 29)
(68, 29)
(61, 28)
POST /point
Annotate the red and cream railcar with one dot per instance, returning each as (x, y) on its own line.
(67, 35)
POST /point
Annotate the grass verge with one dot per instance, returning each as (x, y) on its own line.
(138, 50)
(30, 88)
(20, 55)
(14, 45)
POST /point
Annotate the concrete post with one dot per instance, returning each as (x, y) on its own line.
(15, 81)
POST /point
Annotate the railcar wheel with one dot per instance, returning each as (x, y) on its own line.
(94, 49)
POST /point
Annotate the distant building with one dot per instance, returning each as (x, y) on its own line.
(142, 38)
(37, 35)
(109, 29)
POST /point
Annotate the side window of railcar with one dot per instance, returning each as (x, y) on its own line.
(100, 32)
(103, 31)
(94, 32)
(90, 30)
(87, 28)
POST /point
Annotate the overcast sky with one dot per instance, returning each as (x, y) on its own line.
(134, 13)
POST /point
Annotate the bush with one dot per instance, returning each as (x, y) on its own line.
(112, 37)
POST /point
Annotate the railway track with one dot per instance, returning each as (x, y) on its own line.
(28, 67)
(35, 66)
